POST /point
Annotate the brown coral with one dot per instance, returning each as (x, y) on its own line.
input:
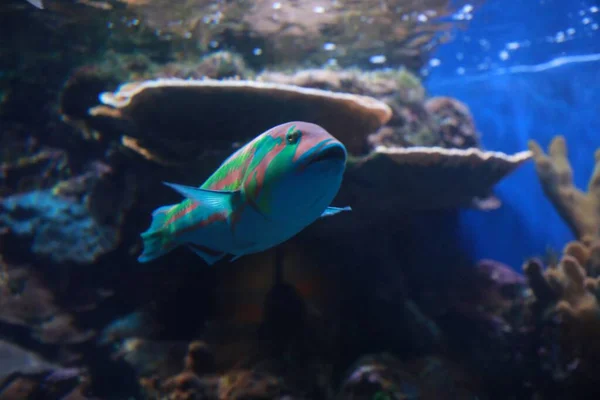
(175, 118)
(569, 290)
(455, 122)
(198, 382)
(415, 121)
(580, 210)
(438, 177)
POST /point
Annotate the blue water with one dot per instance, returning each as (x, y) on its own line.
(530, 70)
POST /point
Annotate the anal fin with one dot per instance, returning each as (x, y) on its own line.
(208, 255)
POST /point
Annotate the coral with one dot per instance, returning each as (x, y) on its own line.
(378, 84)
(144, 112)
(570, 292)
(138, 324)
(198, 381)
(415, 121)
(59, 228)
(27, 303)
(580, 210)
(76, 220)
(87, 82)
(382, 376)
(26, 375)
(454, 122)
(159, 359)
(462, 175)
(217, 65)
(306, 31)
(137, 104)
(499, 297)
(16, 359)
(25, 166)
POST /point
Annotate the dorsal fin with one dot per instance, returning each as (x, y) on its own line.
(215, 199)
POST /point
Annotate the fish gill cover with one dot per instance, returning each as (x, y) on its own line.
(468, 265)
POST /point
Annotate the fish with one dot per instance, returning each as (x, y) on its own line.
(263, 194)
(36, 3)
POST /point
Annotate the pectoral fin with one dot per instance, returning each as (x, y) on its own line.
(236, 257)
(329, 211)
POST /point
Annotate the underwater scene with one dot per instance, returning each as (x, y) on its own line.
(299, 199)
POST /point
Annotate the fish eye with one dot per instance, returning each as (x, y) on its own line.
(293, 136)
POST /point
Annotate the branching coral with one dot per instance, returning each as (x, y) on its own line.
(567, 294)
(580, 210)
(569, 291)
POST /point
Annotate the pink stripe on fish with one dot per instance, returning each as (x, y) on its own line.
(216, 217)
(261, 169)
(183, 212)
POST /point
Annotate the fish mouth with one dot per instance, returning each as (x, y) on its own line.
(330, 153)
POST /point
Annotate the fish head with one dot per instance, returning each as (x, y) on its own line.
(300, 173)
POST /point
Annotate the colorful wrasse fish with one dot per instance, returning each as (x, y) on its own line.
(263, 194)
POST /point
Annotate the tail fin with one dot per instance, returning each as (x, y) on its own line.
(156, 240)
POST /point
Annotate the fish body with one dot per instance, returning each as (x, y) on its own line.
(262, 195)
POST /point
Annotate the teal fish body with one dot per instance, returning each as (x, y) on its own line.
(262, 195)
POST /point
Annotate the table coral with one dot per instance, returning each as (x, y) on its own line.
(147, 108)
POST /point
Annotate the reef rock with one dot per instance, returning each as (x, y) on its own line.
(25, 375)
(77, 220)
(60, 229)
